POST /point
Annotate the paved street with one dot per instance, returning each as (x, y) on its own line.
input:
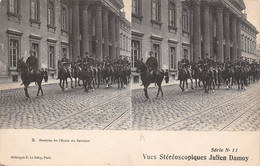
(223, 109)
(102, 109)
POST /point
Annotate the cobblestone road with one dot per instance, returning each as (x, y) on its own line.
(223, 109)
(102, 109)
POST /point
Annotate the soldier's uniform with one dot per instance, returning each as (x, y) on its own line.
(32, 63)
(227, 63)
(152, 63)
(65, 60)
(241, 63)
(200, 63)
(79, 60)
(207, 61)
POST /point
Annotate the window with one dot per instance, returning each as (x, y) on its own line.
(135, 7)
(35, 48)
(64, 18)
(172, 58)
(172, 13)
(51, 13)
(245, 48)
(242, 43)
(126, 44)
(185, 52)
(135, 52)
(51, 57)
(185, 20)
(35, 10)
(14, 6)
(156, 50)
(13, 52)
(121, 41)
(64, 51)
(155, 10)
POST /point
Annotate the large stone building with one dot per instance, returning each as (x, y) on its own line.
(248, 40)
(125, 37)
(172, 28)
(54, 28)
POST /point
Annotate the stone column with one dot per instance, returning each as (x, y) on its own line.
(211, 53)
(220, 56)
(113, 37)
(117, 37)
(105, 34)
(98, 32)
(196, 32)
(238, 38)
(85, 35)
(234, 37)
(226, 34)
(206, 37)
(75, 30)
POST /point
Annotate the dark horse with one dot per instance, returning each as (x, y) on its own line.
(240, 75)
(76, 73)
(28, 77)
(147, 78)
(63, 75)
(183, 77)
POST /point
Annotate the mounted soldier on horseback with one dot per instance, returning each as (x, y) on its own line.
(64, 72)
(30, 72)
(150, 74)
(32, 62)
(184, 73)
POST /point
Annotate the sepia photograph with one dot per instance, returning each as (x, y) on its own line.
(65, 64)
(195, 65)
(130, 82)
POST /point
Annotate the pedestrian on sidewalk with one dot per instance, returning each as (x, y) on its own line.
(166, 76)
(45, 75)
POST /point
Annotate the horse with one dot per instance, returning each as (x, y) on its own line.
(76, 73)
(217, 75)
(183, 76)
(120, 75)
(28, 77)
(107, 73)
(148, 78)
(196, 74)
(240, 76)
(206, 78)
(87, 77)
(227, 75)
(63, 74)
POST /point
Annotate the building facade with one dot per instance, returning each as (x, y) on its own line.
(54, 28)
(248, 40)
(125, 37)
(173, 28)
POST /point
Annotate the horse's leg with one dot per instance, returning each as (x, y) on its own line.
(205, 86)
(187, 86)
(158, 90)
(145, 91)
(62, 87)
(118, 82)
(238, 83)
(191, 83)
(183, 82)
(26, 90)
(180, 85)
(161, 90)
(71, 83)
(39, 88)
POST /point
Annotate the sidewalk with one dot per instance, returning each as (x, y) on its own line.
(15, 85)
(171, 82)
